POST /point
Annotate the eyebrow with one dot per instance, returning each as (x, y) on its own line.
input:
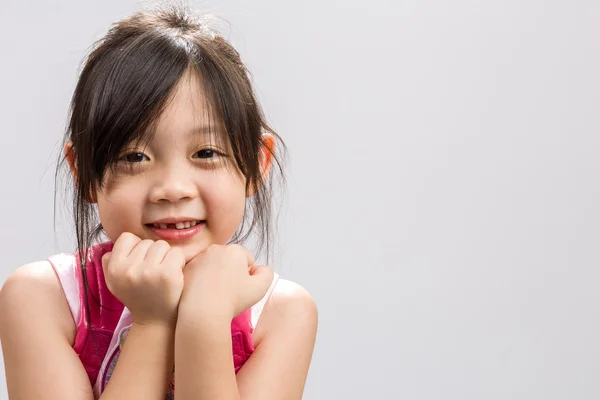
(206, 129)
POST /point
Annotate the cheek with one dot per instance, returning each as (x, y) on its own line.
(110, 222)
(118, 210)
(225, 202)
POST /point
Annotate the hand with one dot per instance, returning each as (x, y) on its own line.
(223, 281)
(146, 276)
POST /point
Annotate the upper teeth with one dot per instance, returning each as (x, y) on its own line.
(178, 225)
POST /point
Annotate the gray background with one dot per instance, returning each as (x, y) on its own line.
(443, 198)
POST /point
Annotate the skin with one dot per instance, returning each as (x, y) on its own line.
(188, 324)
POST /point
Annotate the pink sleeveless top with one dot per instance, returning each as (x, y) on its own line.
(101, 333)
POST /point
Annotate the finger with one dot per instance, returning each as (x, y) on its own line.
(124, 244)
(141, 249)
(252, 269)
(174, 256)
(157, 251)
(263, 277)
(106, 261)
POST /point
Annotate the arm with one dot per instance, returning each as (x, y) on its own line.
(145, 366)
(277, 369)
(37, 332)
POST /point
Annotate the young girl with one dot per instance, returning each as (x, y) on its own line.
(169, 154)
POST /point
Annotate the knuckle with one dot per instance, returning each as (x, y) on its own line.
(111, 268)
(165, 275)
(111, 275)
(126, 235)
(147, 276)
(162, 243)
(130, 276)
(174, 254)
(106, 261)
(129, 237)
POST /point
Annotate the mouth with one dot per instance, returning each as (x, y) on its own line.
(176, 225)
(176, 230)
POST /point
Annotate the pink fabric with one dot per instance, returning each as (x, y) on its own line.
(63, 265)
(241, 339)
(95, 329)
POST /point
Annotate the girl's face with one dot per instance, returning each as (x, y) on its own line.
(180, 177)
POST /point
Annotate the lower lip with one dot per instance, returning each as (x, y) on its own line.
(176, 234)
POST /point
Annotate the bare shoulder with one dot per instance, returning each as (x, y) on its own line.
(35, 279)
(289, 297)
(33, 274)
(36, 332)
(286, 334)
(290, 307)
(29, 292)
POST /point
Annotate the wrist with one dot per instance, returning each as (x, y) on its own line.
(156, 336)
(204, 307)
(154, 325)
(201, 316)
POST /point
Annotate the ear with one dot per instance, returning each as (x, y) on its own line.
(266, 158)
(71, 157)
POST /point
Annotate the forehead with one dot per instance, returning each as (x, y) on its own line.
(188, 111)
(188, 104)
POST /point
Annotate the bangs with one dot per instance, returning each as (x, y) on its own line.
(208, 124)
(134, 82)
(122, 92)
(232, 112)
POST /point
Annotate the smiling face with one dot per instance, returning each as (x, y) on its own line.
(182, 186)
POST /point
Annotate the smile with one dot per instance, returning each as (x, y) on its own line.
(176, 231)
(178, 225)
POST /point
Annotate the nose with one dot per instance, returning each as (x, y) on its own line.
(175, 184)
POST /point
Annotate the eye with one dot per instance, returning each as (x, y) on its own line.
(136, 157)
(207, 154)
